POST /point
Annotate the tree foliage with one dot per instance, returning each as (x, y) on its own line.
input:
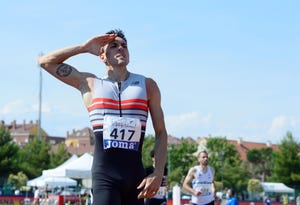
(60, 156)
(261, 161)
(254, 188)
(8, 154)
(225, 159)
(180, 159)
(287, 161)
(17, 180)
(35, 157)
(148, 145)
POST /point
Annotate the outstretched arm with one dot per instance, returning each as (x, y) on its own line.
(152, 183)
(53, 61)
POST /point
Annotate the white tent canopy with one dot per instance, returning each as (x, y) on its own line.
(42, 181)
(52, 181)
(71, 159)
(276, 187)
(79, 168)
(49, 172)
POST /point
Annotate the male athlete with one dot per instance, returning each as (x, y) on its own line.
(118, 106)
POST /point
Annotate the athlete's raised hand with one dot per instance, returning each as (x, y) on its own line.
(94, 44)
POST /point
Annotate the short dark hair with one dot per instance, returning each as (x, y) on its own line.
(152, 153)
(202, 151)
(119, 33)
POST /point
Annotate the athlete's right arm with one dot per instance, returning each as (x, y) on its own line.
(187, 182)
(53, 62)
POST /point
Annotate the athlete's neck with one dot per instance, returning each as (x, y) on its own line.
(203, 167)
(118, 74)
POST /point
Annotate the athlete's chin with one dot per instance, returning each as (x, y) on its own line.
(119, 63)
(123, 63)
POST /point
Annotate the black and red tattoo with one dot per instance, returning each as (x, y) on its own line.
(64, 70)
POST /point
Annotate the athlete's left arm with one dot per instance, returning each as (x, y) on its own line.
(157, 116)
(213, 188)
(152, 183)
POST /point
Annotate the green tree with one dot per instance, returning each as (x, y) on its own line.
(287, 161)
(60, 156)
(35, 157)
(181, 158)
(17, 180)
(148, 145)
(229, 168)
(254, 188)
(260, 161)
(8, 154)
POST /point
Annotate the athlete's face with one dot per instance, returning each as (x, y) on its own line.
(116, 53)
(203, 158)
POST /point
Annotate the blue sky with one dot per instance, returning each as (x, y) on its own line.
(224, 68)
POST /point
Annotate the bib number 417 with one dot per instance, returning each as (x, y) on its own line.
(115, 133)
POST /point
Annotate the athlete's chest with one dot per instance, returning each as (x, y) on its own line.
(131, 89)
(203, 175)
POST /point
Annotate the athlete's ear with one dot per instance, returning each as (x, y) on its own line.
(102, 55)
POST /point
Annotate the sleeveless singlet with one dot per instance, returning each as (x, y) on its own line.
(118, 115)
(203, 183)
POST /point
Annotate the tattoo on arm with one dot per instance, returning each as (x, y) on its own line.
(64, 70)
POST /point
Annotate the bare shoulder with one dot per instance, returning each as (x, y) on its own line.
(192, 170)
(150, 83)
(86, 82)
(191, 173)
(152, 88)
(212, 169)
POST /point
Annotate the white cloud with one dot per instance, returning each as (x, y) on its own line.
(187, 124)
(281, 124)
(17, 106)
(187, 120)
(20, 107)
(45, 107)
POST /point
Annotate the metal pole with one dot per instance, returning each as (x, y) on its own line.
(222, 169)
(169, 163)
(40, 102)
(169, 171)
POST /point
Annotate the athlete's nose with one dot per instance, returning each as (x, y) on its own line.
(121, 48)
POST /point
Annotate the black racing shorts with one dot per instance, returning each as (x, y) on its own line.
(210, 203)
(115, 196)
(153, 201)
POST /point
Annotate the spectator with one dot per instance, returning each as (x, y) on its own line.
(285, 199)
(231, 199)
(298, 199)
(267, 200)
(36, 197)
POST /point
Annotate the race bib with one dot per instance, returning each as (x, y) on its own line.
(161, 193)
(121, 132)
(204, 188)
